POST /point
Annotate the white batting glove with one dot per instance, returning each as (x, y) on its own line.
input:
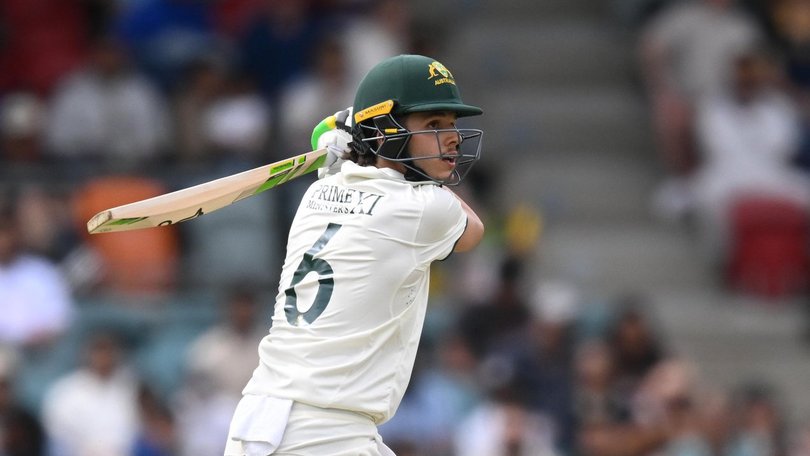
(336, 140)
(337, 147)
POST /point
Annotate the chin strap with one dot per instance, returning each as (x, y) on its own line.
(414, 173)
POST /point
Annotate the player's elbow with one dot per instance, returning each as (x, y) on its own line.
(472, 235)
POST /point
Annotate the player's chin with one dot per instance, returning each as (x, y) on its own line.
(442, 173)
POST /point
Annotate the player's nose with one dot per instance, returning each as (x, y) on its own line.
(449, 141)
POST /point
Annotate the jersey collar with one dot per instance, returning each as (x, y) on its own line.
(353, 171)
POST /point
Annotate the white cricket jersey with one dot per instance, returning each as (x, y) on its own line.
(353, 290)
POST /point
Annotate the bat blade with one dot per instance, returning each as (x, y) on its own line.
(192, 202)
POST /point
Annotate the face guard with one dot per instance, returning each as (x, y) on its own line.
(403, 85)
(389, 139)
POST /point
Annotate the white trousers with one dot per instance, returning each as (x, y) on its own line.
(264, 426)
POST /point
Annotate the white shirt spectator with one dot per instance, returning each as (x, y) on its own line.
(203, 418)
(746, 150)
(306, 99)
(114, 118)
(222, 346)
(381, 33)
(209, 395)
(499, 429)
(700, 40)
(35, 300)
(327, 88)
(239, 124)
(87, 415)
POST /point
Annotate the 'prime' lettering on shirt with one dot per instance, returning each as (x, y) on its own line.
(334, 198)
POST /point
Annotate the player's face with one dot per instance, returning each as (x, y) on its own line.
(438, 140)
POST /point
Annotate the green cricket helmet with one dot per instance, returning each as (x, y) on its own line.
(407, 84)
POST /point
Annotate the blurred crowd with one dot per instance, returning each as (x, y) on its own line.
(140, 344)
(727, 83)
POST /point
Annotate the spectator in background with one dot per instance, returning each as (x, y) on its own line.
(44, 211)
(382, 31)
(541, 357)
(596, 399)
(21, 125)
(404, 449)
(237, 130)
(687, 47)
(93, 410)
(203, 412)
(208, 398)
(100, 15)
(667, 398)
(232, 16)
(789, 19)
(205, 80)
(327, 88)
(42, 41)
(686, 51)
(156, 435)
(164, 36)
(238, 123)
(791, 27)
(635, 345)
(715, 416)
(21, 433)
(748, 136)
(486, 324)
(663, 418)
(442, 393)
(548, 356)
(760, 426)
(279, 44)
(35, 301)
(121, 264)
(109, 112)
(504, 426)
(231, 342)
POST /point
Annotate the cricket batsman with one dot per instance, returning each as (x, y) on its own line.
(354, 285)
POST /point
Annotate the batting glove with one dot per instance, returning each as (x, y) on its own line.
(333, 134)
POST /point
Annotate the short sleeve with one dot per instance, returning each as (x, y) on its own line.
(442, 224)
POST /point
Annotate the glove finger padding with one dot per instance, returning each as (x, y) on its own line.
(339, 139)
(341, 120)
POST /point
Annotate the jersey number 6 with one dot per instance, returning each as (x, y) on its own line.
(325, 282)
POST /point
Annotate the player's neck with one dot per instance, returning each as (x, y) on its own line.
(396, 166)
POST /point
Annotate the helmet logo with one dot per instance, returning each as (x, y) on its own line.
(440, 74)
(373, 111)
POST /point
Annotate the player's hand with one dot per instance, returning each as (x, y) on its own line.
(336, 153)
(333, 134)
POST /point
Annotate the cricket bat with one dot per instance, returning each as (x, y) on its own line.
(192, 202)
